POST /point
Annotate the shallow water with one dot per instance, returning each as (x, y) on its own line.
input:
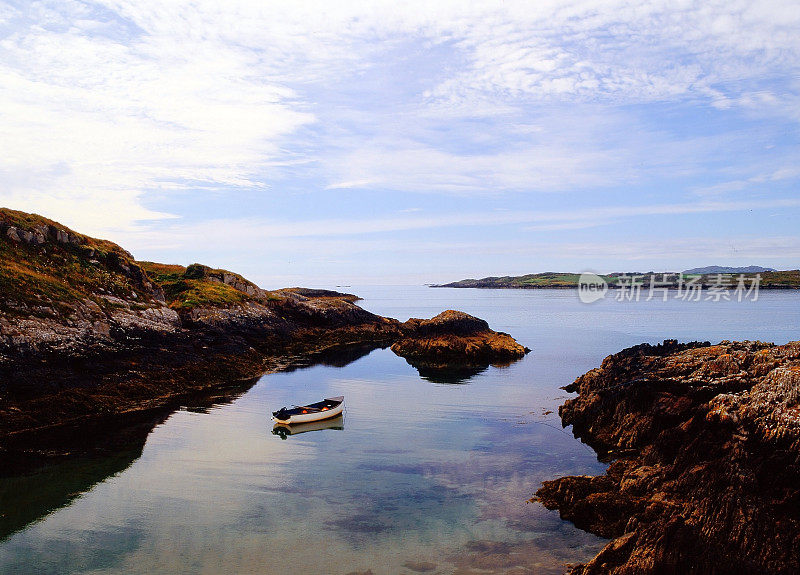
(418, 477)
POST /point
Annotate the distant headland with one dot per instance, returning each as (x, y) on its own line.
(706, 277)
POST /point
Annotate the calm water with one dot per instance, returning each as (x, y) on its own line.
(418, 477)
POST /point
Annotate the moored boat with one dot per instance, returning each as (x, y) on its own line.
(325, 409)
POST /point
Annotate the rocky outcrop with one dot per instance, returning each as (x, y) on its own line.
(454, 346)
(86, 331)
(455, 337)
(705, 444)
(322, 293)
(58, 370)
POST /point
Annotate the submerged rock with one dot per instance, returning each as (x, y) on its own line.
(705, 443)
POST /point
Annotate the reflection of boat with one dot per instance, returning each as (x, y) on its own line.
(325, 409)
(284, 429)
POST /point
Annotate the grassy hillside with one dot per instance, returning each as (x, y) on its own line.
(199, 286)
(785, 279)
(46, 268)
(541, 280)
(46, 265)
(789, 279)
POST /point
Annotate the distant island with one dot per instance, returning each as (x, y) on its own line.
(729, 270)
(767, 278)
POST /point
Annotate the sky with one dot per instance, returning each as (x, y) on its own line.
(345, 143)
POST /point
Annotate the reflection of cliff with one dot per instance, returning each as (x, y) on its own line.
(336, 357)
(446, 373)
(43, 471)
(25, 499)
(32, 485)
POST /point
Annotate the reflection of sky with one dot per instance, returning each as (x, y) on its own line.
(421, 472)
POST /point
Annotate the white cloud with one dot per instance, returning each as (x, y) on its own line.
(227, 234)
(625, 52)
(101, 104)
(89, 123)
(351, 184)
(778, 175)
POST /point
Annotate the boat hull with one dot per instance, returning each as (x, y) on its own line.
(334, 410)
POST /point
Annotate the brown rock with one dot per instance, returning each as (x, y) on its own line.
(707, 471)
(456, 338)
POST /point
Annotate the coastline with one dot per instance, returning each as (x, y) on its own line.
(655, 281)
(704, 442)
(87, 331)
(157, 369)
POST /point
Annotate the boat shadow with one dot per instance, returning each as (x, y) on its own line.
(284, 430)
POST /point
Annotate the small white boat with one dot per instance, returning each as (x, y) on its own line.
(325, 409)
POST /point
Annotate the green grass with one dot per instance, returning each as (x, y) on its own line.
(186, 288)
(56, 274)
(789, 279)
(785, 279)
(547, 279)
(190, 294)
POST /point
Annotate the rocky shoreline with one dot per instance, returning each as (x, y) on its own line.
(215, 347)
(705, 448)
(87, 332)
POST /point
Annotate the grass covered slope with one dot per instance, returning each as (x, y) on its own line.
(197, 285)
(547, 279)
(68, 294)
(47, 268)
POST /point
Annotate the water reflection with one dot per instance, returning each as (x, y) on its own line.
(448, 374)
(451, 372)
(283, 430)
(339, 356)
(43, 471)
(27, 498)
(436, 483)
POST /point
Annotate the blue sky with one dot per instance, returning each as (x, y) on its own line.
(381, 142)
